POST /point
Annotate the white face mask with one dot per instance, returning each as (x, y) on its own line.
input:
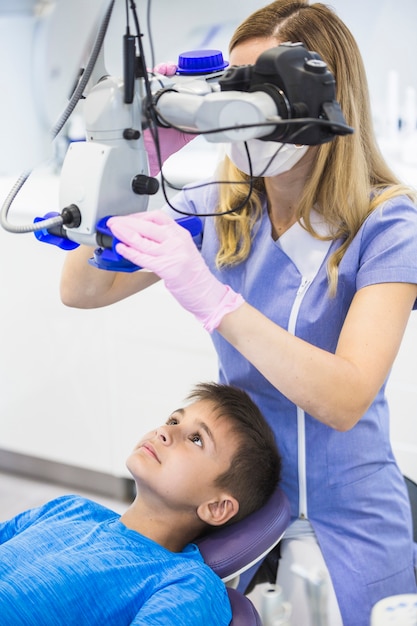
(268, 158)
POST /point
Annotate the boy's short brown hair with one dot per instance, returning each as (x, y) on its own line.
(255, 468)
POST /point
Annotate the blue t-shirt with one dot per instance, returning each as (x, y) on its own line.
(72, 561)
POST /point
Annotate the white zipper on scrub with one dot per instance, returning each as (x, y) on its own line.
(301, 439)
(307, 253)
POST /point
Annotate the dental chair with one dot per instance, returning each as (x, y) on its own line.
(233, 549)
(412, 494)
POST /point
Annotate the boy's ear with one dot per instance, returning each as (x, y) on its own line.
(218, 512)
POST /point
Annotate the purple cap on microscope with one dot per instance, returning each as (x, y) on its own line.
(201, 62)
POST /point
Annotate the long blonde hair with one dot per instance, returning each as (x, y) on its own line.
(349, 178)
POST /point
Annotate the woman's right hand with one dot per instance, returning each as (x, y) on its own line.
(156, 242)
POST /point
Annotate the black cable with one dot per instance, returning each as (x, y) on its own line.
(249, 182)
(308, 121)
(236, 209)
(150, 112)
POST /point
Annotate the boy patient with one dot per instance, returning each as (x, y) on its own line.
(73, 561)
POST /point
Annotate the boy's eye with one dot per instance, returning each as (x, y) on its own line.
(196, 438)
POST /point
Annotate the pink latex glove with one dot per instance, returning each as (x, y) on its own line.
(167, 69)
(170, 139)
(156, 242)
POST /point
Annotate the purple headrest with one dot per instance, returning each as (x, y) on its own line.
(230, 550)
(244, 612)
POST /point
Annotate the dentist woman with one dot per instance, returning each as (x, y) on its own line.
(306, 292)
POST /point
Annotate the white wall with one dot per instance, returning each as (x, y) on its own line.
(81, 386)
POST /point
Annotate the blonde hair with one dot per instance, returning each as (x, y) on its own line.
(349, 178)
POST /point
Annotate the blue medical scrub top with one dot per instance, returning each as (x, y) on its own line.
(347, 484)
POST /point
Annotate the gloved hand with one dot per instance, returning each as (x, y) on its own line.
(156, 242)
(167, 69)
(170, 139)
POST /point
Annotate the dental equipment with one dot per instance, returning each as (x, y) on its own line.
(288, 96)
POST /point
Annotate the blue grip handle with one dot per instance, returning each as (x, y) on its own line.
(109, 259)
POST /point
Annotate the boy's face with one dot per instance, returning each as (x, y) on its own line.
(180, 461)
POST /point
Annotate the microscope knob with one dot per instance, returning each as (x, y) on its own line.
(145, 185)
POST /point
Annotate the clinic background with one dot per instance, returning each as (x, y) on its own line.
(78, 388)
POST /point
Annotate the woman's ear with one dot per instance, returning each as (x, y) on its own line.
(218, 512)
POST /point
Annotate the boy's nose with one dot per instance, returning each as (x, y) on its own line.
(164, 435)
